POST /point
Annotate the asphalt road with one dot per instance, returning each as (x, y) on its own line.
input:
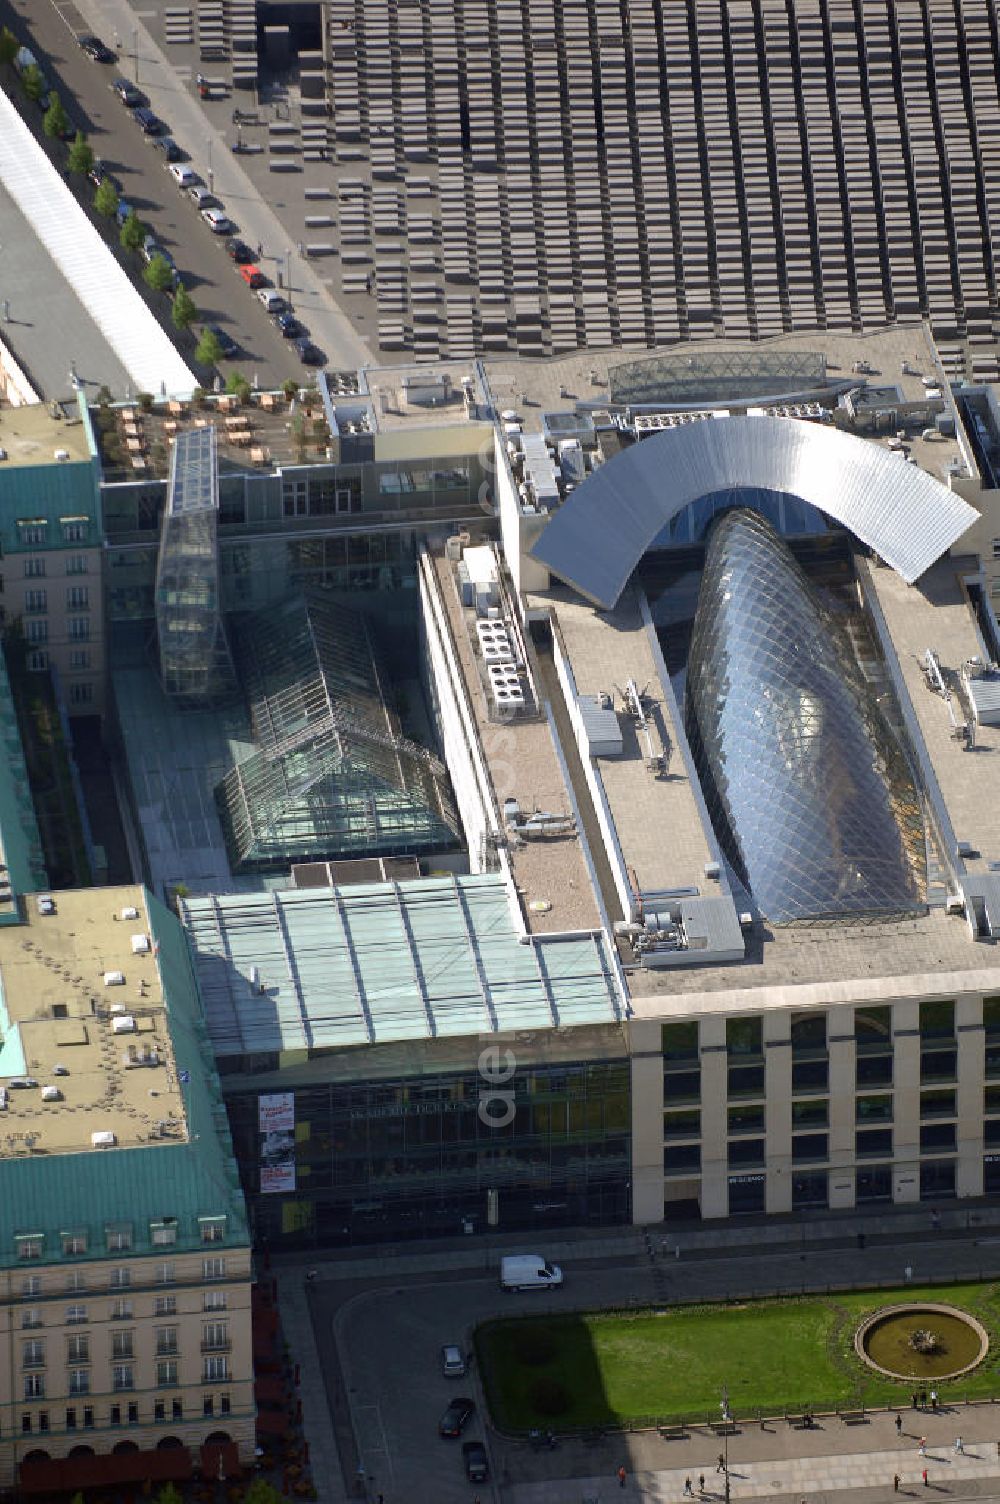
(49, 27)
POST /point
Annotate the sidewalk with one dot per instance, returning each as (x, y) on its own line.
(171, 96)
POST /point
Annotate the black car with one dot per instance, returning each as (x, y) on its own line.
(457, 1416)
(477, 1464)
(227, 344)
(239, 252)
(290, 326)
(150, 124)
(308, 353)
(128, 93)
(95, 48)
(169, 148)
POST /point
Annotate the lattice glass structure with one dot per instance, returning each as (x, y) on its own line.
(332, 775)
(810, 794)
(195, 663)
(717, 376)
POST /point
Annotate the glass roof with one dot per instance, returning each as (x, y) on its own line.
(809, 792)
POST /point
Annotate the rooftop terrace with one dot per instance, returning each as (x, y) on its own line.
(32, 435)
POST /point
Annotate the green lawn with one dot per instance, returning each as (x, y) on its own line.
(773, 1355)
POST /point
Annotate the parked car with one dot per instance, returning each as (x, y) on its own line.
(217, 221)
(150, 247)
(183, 176)
(227, 344)
(290, 326)
(95, 48)
(128, 93)
(253, 276)
(150, 124)
(477, 1464)
(123, 211)
(308, 353)
(239, 251)
(169, 148)
(202, 197)
(456, 1417)
(452, 1362)
(272, 301)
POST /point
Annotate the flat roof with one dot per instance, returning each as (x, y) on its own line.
(59, 1016)
(377, 962)
(31, 435)
(147, 356)
(657, 816)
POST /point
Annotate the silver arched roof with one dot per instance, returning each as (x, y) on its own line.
(602, 530)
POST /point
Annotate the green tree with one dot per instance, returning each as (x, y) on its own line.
(290, 388)
(32, 82)
(81, 155)
(168, 1495)
(159, 274)
(262, 1492)
(106, 199)
(184, 311)
(9, 46)
(237, 385)
(56, 122)
(209, 351)
(133, 231)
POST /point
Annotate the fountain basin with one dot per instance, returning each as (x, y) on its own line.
(894, 1341)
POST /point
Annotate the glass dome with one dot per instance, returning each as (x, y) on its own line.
(809, 792)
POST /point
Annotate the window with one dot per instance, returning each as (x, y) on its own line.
(873, 1109)
(215, 1300)
(216, 1370)
(31, 1316)
(214, 1268)
(77, 598)
(991, 1099)
(937, 1138)
(38, 661)
(122, 1377)
(26, 1424)
(680, 1043)
(121, 1310)
(35, 601)
(121, 1277)
(34, 1386)
(122, 1344)
(745, 1151)
(937, 1020)
(746, 1080)
(937, 1104)
(744, 1036)
(76, 564)
(814, 1113)
(75, 1314)
(807, 1146)
(682, 1086)
(213, 1229)
(877, 1141)
(32, 531)
(34, 568)
(75, 529)
(937, 1065)
(873, 1070)
(31, 1285)
(159, 1410)
(293, 496)
(746, 1119)
(808, 1032)
(677, 1157)
(33, 1353)
(165, 1274)
(74, 1243)
(88, 1417)
(177, 1409)
(81, 694)
(207, 1405)
(78, 1349)
(996, 548)
(873, 1030)
(78, 628)
(162, 1234)
(133, 1414)
(119, 1236)
(71, 1420)
(682, 1124)
(30, 1246)
(79, 1382)
(116, 1415)
(166, 1341)
(79, 658)
(75, 1279)
(165, 1305)
(36, 631)
(214, 1335)
(224, 1405)
(810, 1075)
(166, 1375)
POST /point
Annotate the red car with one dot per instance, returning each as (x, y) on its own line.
(253, 276)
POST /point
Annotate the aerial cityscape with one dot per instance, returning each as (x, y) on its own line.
(500, 699)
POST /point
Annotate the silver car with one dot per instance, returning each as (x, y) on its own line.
(452, 1362)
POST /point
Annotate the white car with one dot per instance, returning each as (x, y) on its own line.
(217, 222)
(183, 175)
(201, 196)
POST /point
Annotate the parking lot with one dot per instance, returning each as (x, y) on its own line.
(206, 270)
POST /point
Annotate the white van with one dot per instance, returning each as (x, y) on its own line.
(272, 301)
(528, 1271)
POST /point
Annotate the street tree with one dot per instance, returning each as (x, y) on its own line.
(32, 82)
(56, 122)
(159, 274)
(81, 155)
(209, 351)
(133, 232)
(106, 199)
(184, 311)
(9, 46)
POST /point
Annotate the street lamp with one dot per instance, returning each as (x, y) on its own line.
(211, 174)
(727, 1421)
(288, 274)
(135, 51)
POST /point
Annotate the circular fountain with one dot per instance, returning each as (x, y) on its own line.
(921, 1342)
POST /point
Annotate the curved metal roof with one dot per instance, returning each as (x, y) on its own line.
(601, 532)
(808, 791)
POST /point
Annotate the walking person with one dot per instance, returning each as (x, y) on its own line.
(960, 1446)
(720, 1466)
(895, 1483)
(923, 1399)
(924, 1475)
(622, 1475)
(922, 1447)
(701, 1476)
(915, 1398)
(688, 1490)
(934, 1399)
(899, 1423)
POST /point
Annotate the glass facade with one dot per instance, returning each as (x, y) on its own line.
(411, 1158)
(809, 792)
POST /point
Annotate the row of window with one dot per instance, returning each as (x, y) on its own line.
(814, 1112)
(936, 1138)
(84, 1418)
(215, 1370)
(214, 1338)
(810, 1188)
(122, 1310)
(36, 630)
(118, 1237)
(35, 565)
(77, 599)
(33, 532)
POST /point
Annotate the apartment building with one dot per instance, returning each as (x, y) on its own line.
(125, 1341)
